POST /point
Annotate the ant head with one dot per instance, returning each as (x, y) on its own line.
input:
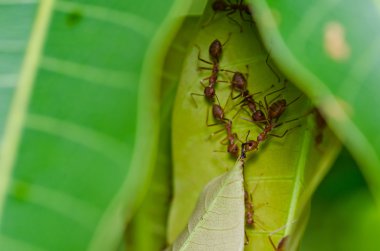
(250, 145)
(258, 115)
(209, 92)
(215, 50)
(239, 82)
(234, 150)
(245, 93)
(219, 5)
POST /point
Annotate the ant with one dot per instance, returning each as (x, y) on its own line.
(247, 98)
(249, 211)
(232, 147)
(274, 112)
(218, 114)
(215, 52)
(231, 8)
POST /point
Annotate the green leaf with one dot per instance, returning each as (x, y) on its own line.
(216, 223)
(354, 229)
(330, 49)
(281, 175)
(13, 41)
(147, 231)
(81, 135)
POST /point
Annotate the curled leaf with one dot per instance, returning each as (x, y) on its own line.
(217, 222)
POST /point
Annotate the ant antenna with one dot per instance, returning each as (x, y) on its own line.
(228, 39)
(271, 67)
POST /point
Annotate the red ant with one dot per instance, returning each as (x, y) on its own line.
(215, 52)
(249, 211)
(274, 111)
(231, 8)
(218, 114)
(247, 98)
(232, 146)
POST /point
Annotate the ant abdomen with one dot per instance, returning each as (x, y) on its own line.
(209, 93)
(217, 112)
(233, 149)
(277, 109)
(258, 116)
(219, 5)
(215, 50)
(239, 83)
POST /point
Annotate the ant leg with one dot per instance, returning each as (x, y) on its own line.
(271, 241)
(246, 137)
(279, 136)
(235, 136)
(273, 99)
(216, 132)
(228, 39)
(204, 68)
(229, 71)
(233, 20)
(223, 81)
(294, 100)
(192, 96)
(224, 141)
(271, 68)
(199, 56)
(273, 92)
(288, 130)
(202, 80)
(247, 74)
(241, 108)
(288, 121)
(246, 238)
(237, 96)
(209, 21)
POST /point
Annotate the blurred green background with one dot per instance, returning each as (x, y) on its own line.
(86, 96)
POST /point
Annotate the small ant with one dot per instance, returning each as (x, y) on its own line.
(215, 52)
(218, 114)
(231, 8)
(249, 212)
(274, 111)
(232, 147)
(248, 209)
(247, 100)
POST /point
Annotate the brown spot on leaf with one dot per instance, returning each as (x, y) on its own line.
(335, 42)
